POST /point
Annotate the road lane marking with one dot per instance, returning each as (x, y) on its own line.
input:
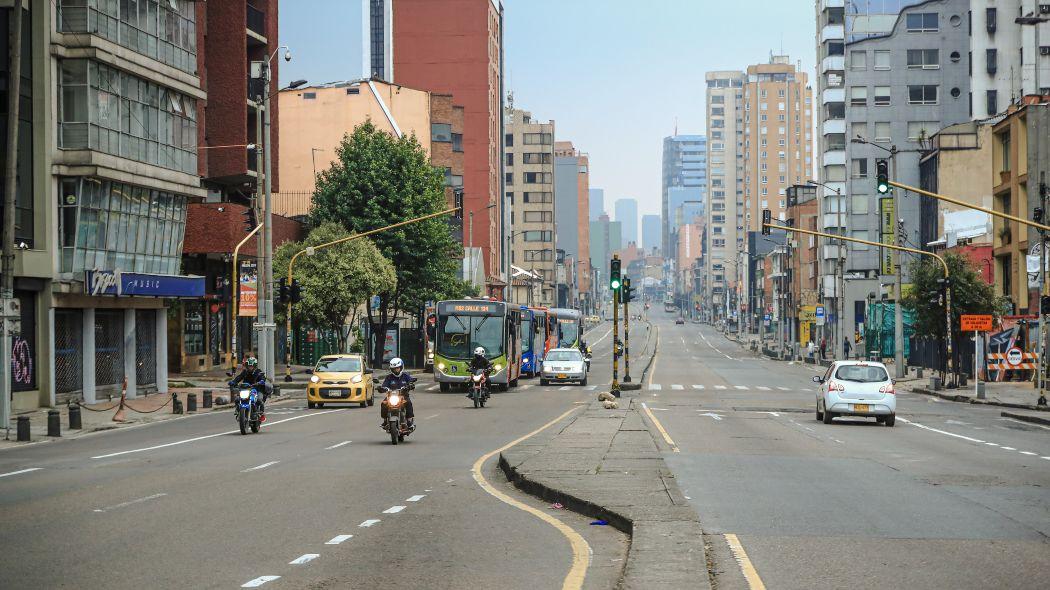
(368, 523)
(259, 581)
(207, 436)
(581, 551)
(754, 581)
(21, 471)
(433, 416)
(741, 387)
(338, 539)
(1008, 448)
(130, 503)
(566, 388)
(604, 336)
(991, 444)
(258, 467)
(698, 387)
(304, 558)
(677, 387)
(337, 445)
(592, 387)
(783, 388)
(416, 498)
(1007, 419)
(656, 387)
(716, 417)
(1027, 453)
(720, 386)
(660, 427)
(763, 388)
(394, 509)
(652, 363)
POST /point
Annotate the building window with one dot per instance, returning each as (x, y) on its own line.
(538, 256)
(539, 217)
(441, 132)
(537, 236)
(164, 30)
(110, 225)
(508, 178)
(925, 94)
(882, 59)
(921, 22)
(921, 130)
(111, 111)
(457, 142)
(718, 243)
(309, 95)
(537, 158)
(510, 159)
(858, 60)
(993, 103)
(882, 131)
(1004, 145)
(537, 197)
(860, 168)
(835, 48)
(882, 96)
(924, 59)
(24, 209)
(991, 60)
(538, 138)
(536, 177)
(990, 19)
(858, 96)
(508, 140)
(859, 130)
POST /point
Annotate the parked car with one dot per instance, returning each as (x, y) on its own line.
(679, 321)
(856, 388)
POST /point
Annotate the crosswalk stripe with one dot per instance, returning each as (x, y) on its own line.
(720, 386)
(526, 386)
(565, 388)
(744, 387)
(432, 388)
(592, 387)
(676, 386)
(763, 388)
(656, 386)
(698, 387)
(783, 388)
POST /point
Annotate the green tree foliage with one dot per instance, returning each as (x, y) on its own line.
(378, 180)
(970, 294)
(336, 281)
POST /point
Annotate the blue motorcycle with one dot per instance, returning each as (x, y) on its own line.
(248, 409)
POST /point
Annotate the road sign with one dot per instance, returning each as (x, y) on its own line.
(1014, 356)
(975, 323)
(820, 315)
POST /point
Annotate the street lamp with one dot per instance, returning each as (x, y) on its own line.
(837, 333)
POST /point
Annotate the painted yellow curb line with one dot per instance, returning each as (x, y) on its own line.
(754, 582)
(660, 427)
(581, 551)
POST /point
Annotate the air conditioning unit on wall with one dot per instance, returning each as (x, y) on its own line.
(1044, 50)
(1044, 8)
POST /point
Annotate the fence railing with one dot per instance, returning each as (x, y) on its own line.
(292, 203)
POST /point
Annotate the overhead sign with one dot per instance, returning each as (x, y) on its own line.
(975, 323)
(136, 284)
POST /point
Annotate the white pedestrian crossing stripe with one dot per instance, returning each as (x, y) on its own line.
(720, 386)
(676, 386)
(783, 388)
(525, 386)
(655, 386)
(698, 387)
(592, 387)
(744, 387)
(566, 388)
(763, 388)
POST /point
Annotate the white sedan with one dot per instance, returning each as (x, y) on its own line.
(564, 364)
(856, 388)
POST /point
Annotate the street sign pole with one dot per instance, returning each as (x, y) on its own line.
(616, 342)
(626, 338)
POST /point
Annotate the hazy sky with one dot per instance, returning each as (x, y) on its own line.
(614, 75)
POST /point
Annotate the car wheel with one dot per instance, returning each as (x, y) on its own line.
(371, 401)
(363, 404)
(880, 419)
(310, 405)
(828, 416)
(890, 419)
(584, 382)
(444, 387)
(820, 415)
(319, 405)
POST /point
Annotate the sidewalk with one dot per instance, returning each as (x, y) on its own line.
(1020, 395)
(605, 464)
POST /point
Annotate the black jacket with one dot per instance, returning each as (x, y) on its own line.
(249, 377)
(479, 362)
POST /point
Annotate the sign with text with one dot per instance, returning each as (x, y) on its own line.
(137, 284)
(975, 323)
(887, 230)
(248, 277)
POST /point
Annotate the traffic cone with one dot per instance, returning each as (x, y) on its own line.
(119, 415)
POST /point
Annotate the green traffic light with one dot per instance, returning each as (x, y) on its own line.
(615, 284)
(883, 188)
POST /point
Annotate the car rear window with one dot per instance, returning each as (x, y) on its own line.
(861, 373)
(564, 355)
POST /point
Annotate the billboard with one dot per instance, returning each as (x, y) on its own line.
(248, 278)
(887, 229)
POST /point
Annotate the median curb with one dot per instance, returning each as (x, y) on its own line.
(605, 464)
(968, 399)
(1026, 418)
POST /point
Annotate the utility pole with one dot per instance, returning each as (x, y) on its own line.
(260, 244)
(614, 285)
(627, 297)
(9, 320)
(269, 327)
(1041, 374)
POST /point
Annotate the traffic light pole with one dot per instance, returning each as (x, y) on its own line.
(616, 342)
(235, 297)
(626, 333)
(309, 250)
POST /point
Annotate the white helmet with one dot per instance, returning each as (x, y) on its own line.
(396, 364)
(479, 351)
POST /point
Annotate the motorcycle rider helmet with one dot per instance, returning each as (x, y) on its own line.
(396, 365)
(479, 351)
(251, 362)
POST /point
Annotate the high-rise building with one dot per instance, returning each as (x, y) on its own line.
(597, 203)
(377, 39)
(627, 215)
(1009, 53)
(724, 231)
(430, 41)
(651, 233)
(572, 210)
(529, 166)
(684, 167)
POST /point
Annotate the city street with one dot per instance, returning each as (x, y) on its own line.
(319, 498)
(953, 496)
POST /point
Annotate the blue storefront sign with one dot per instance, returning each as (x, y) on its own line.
(136, 284)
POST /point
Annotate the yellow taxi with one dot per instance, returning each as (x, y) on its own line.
(340, 379)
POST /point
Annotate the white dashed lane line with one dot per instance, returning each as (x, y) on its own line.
(21, 471)
(970, 438)
(305, 558)
(258, 467)
(259, 581)
(368, 523)
(416, 498)
(337, 445)
(394, 509)
(338, 539)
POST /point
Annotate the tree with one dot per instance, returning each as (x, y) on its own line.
(969, 295)
(378, 180)
(336, 281)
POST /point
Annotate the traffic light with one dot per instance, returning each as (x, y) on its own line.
(882, 175)
(250, 220)
(284, 292)
(628, 293)
(457, 202)
(1044, 305)
(295, 292)
(767, 218)
(1037, 215)
(614, 274)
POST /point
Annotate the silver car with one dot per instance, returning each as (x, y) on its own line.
(563, 365)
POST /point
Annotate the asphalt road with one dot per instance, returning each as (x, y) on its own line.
(319, 498)
(953, 496)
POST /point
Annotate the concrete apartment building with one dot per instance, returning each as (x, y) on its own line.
(572, 211)
(725, 180)
(957, 165)
(606, 239)
(377, 39)
(456, 47)
(651, 225)
(529, 165)
(1009, 54)
(902, 87)
(684, 178)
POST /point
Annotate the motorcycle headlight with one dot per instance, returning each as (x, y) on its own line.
(245, 393)
(314, 379)
(430, 355)
(441, 366)
(498, 367)
(355, 379)
(476, 378)
(395, 399)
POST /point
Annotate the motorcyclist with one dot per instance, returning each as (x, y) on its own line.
(251, 375)
(398, 378)
(479, 361)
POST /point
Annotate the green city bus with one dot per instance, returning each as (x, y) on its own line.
(462, 326)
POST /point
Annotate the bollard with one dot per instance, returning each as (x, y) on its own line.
(176, 403)
(962, 380)
(23, 429)
(54, 423)
(74, 417)
(206, 401)
(918, 372)
(935, 383)
(980, 390)
(191, 402)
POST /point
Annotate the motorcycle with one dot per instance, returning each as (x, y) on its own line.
(587, 358)
(248, 410)
(479, 387)
(396, 405)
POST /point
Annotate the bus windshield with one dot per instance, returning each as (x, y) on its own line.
(459, 335)
(526, 335)
(568, 333)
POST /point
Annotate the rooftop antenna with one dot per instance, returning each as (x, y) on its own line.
(676, 126)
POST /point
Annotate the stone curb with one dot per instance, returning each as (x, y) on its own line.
(984, 402)
(1026, 418)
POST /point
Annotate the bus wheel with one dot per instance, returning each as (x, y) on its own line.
(514, 383)
(445, 387)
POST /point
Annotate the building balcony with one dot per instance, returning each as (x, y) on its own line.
(255, 25)
(831, 285)
(831, 126)
(829, 191)
(834, 158)
(833, 95)
(832, 33)
(826, 4)
(833, 251)
(832, 63)
(831, 220)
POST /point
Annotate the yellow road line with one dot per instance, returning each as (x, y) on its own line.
(754, 582)
(660, 427)
(652, 368)
(581, 551)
